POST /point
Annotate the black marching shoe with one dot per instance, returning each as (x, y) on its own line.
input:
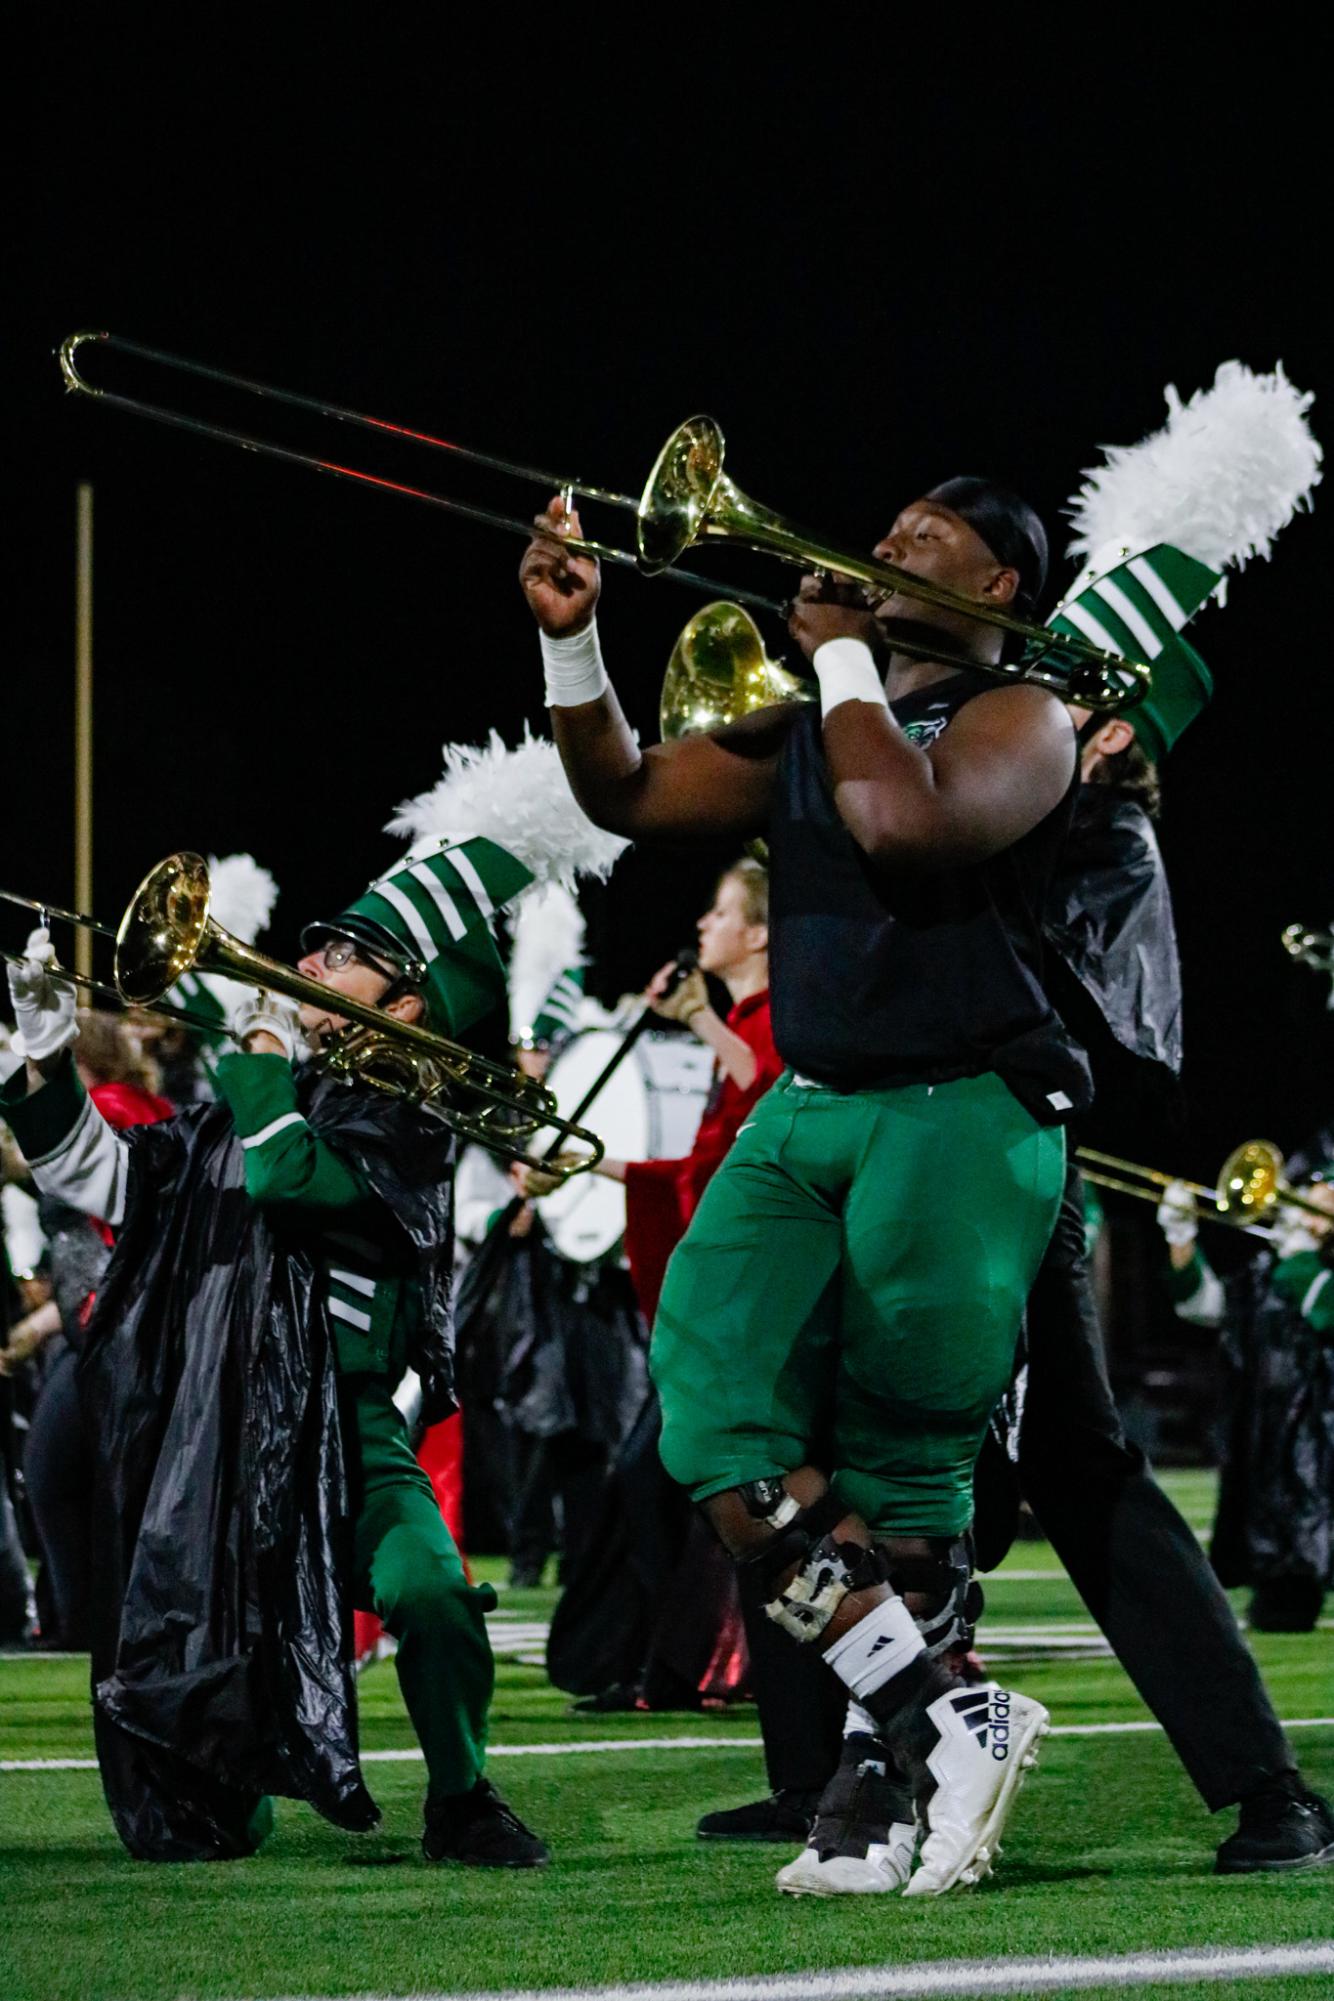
(1279, 1830)
(478, 1828)
(787, 1815)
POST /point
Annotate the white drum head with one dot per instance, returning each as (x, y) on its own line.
(649, 1109)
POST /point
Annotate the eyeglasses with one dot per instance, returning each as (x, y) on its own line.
(340, 952)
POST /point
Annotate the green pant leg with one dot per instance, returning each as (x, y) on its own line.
(408, 1571)
(944, 1228)
(742, 1360)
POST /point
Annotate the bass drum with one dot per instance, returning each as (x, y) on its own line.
(649, 1109)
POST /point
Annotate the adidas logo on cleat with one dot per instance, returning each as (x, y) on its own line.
(987, 1715)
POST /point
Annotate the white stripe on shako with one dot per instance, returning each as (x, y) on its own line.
(412, 917)
(1144, 573)
(459, 859)
(455, 922)
(1130, 616)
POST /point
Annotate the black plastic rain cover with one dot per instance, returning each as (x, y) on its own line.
(1109, 920)
(221, 1659)
(1277, 1437)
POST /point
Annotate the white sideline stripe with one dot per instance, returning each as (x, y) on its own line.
(950, 1976)
(410, 1755)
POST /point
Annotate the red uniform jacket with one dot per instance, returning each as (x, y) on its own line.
(662, 1195)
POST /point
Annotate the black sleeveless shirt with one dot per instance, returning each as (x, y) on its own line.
(880, 983)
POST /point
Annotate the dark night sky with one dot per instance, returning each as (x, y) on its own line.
(875, 268)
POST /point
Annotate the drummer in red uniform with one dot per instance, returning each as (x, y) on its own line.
(661, 1196)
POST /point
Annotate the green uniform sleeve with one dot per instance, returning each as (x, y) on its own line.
(1184, 1284)
(42, 1120)
(286, 1163)
(1307, 1283)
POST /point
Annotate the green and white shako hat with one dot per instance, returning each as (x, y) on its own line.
(1159, 524)
(241, 898)
(1137, 608)
(499, 822)
(560, 1013)
(546, 969)
(430, 917)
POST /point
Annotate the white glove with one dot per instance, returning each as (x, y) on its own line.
(45, 1006)
(1176, 1215)
(1293, 1232)
(275, 1014)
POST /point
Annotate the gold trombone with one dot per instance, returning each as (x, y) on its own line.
(167, 932)
(49, 911)
(1248, 1194)
(688, 498)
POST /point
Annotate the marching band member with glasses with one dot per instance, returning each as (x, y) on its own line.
(283, 1258)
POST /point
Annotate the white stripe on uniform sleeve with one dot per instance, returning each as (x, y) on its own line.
(274, 1126)
(89, 1169)
(342, 1311)
(1314, 1290)
(353, 1281)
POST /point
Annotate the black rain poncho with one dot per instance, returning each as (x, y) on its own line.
(221, 1660)
(1113, 970)
(1274, 1518)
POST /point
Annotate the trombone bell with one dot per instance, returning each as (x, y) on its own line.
(679, 499)
(162, 932)
(720, 671)
(167, 931)
(1250, 1179)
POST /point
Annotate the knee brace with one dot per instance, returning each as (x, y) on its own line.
(802, 1543)
(945, 1579)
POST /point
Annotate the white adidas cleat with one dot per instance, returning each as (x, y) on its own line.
(988, 1741)
(884, 1867)
(864, 1834)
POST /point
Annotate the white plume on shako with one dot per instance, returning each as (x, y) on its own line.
(519, 798)
(1226, 472)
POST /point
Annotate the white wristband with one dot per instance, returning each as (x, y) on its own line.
(847, 672)
(573, 668)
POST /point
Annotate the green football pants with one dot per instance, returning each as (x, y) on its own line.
(850, 1291)
(407, 1569)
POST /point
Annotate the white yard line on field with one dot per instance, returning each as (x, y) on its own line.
(963, 1977)
(410, 1755)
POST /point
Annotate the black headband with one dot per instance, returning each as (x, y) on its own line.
(1007, 524)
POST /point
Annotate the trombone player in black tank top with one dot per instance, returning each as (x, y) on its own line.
(844, 1310)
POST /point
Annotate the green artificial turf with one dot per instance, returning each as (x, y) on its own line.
(1109, 1852)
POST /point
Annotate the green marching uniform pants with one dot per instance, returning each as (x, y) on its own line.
(850, 1292)
(407, 1570)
